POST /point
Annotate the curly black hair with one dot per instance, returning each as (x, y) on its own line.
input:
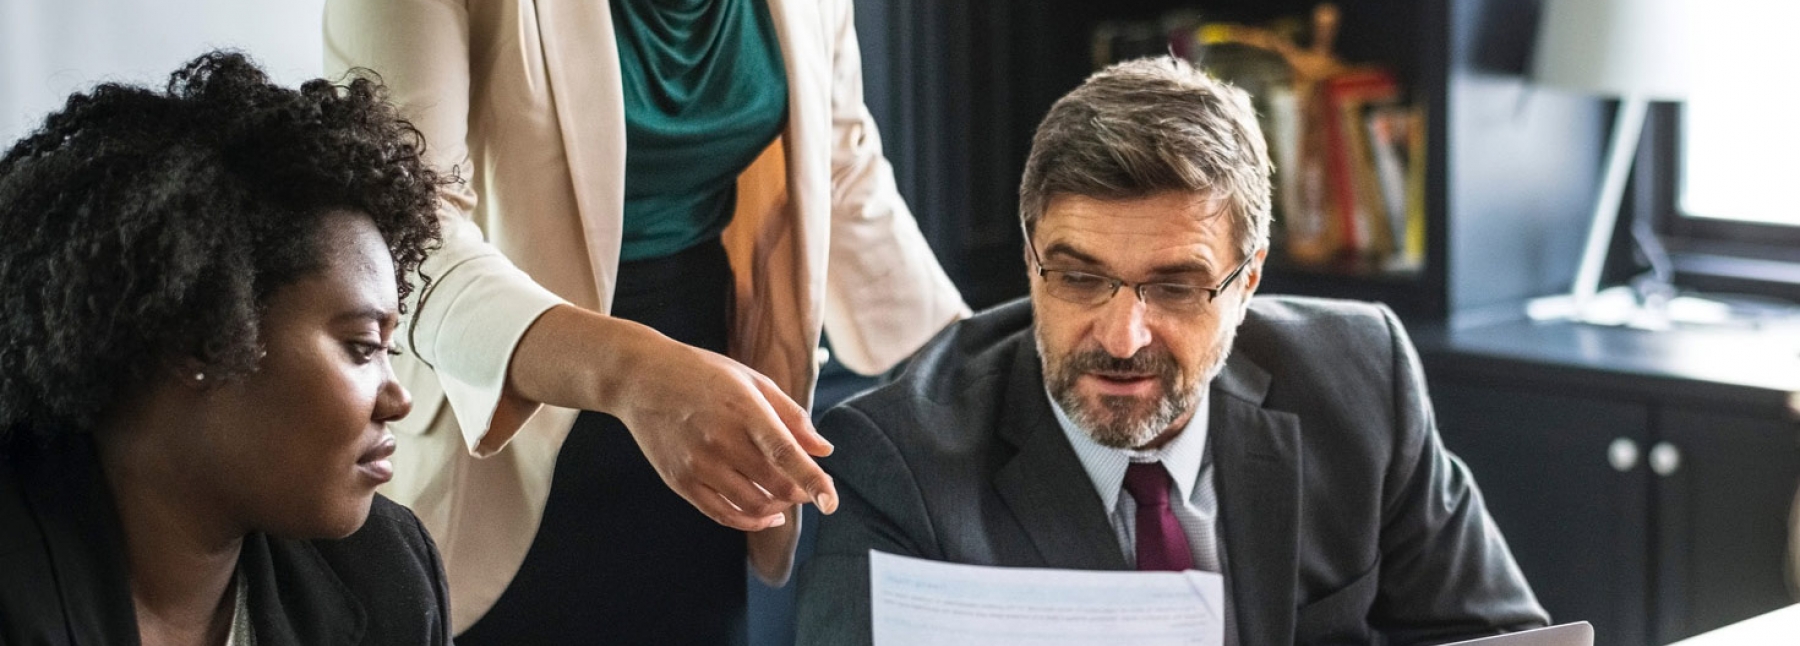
(140, 227)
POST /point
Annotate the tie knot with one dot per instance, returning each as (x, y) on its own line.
(1148, 483)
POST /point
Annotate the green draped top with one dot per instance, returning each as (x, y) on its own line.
(705, 93)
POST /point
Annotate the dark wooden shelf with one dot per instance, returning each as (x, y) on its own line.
(1411, 294)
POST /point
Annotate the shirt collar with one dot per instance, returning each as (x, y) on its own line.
(1105, 465)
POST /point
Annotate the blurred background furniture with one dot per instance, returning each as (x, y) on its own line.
(1636, 51)
(1778, 627)
(1642, 478)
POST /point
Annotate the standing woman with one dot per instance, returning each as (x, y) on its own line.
(652, 186)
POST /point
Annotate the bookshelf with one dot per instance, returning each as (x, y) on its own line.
(1510, 171)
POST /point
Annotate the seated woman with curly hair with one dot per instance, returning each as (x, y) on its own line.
(198, 290)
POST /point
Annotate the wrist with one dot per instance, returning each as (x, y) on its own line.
(575, 358)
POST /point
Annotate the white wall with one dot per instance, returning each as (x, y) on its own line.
(52, 48)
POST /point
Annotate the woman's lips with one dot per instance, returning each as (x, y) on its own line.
(374, 463)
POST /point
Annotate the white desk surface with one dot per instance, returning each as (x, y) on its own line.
(1778, 627)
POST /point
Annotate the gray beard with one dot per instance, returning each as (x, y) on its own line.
(1126, 422)
(1123, 422)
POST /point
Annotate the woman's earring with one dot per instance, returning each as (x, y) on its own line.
(199, 376)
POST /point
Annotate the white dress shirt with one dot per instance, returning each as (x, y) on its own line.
(1195, 500)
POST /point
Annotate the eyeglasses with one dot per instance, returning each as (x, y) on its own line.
(1088, 288)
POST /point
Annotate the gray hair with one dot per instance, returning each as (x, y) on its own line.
(1147, 126)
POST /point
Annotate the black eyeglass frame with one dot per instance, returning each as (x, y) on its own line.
(1212, 293)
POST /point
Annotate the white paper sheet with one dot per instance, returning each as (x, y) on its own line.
(916, 602)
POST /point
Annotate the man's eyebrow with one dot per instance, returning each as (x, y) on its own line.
(1185, 267)
(1065, 250)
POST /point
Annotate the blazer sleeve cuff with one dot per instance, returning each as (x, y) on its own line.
(468, 327)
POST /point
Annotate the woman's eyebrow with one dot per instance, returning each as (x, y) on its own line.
(377, 315)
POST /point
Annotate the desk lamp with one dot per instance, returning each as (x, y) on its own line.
(1636, 51)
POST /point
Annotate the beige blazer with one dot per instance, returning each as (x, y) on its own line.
(522, 99)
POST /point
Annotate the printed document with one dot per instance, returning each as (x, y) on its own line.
(916, 602)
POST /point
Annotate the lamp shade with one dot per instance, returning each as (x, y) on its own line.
(1651, 49)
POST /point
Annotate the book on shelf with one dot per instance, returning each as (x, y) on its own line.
(1385, 126)
(1396, 135)
(1347, 151)
(1359, 210)
(1413, 251)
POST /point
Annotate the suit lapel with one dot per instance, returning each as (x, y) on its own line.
(581, 58)
(1256, 452)
(1044, 485)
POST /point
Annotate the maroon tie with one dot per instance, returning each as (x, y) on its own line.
(1161, 545)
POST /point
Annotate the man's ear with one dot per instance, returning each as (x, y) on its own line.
(1253, 273)
(1252, 280)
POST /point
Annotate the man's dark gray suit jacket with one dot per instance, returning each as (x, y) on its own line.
(1343, 518)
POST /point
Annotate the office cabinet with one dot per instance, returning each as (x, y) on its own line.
(1563, 477)
(1723, 485)
(1652, 504)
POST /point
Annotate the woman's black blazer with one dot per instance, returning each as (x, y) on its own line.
(63, 571)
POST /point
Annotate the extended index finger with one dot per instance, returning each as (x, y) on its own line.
(783, 449)
(795, 418)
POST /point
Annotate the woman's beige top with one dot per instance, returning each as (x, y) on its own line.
(522, 98)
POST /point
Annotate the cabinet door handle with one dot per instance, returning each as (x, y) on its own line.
(1622, 454)
(1665, 459)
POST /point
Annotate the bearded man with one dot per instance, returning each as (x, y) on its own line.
(1141, 411)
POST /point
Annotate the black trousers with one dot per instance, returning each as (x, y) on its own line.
(620, 558)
